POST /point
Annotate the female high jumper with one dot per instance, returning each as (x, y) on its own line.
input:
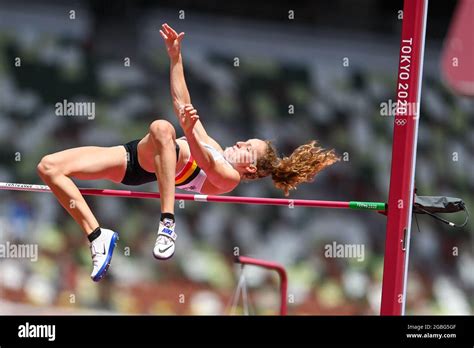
(195, 162)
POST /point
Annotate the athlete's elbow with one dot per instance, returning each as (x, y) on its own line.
(228, 187)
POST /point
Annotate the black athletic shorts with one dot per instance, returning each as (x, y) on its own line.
(135, 174)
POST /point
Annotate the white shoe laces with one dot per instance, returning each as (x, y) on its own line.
(163, 240)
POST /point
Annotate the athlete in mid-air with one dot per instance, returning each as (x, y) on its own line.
(194, 162)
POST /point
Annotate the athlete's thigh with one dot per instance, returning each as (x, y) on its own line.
(93, 162)
(146, 153)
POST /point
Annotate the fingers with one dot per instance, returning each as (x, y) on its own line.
(163, 35)
(191, 112)
(166, 32)
(171, 33)
(165, 29)
(171, 30)
(188, 117)
(194, 118)
(186, 108)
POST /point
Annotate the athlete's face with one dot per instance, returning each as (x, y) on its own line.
(245, 153)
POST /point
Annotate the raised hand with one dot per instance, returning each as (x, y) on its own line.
(188, 117)
(172, 40)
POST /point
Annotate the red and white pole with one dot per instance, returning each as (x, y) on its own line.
(405, 134)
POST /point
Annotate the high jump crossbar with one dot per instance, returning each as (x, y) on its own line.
(356, 205)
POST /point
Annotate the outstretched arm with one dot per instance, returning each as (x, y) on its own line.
(221, 176)
(179, 90)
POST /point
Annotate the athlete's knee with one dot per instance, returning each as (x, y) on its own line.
(49, 166)
(162, 131)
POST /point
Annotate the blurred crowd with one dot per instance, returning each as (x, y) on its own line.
(258, 96)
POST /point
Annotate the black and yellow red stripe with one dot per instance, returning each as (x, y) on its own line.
(189, 172)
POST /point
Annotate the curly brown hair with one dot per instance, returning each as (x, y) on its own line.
(288, 172)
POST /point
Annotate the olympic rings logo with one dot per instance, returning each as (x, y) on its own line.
(400, 122)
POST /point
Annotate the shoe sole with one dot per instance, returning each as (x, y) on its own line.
(105, 267)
